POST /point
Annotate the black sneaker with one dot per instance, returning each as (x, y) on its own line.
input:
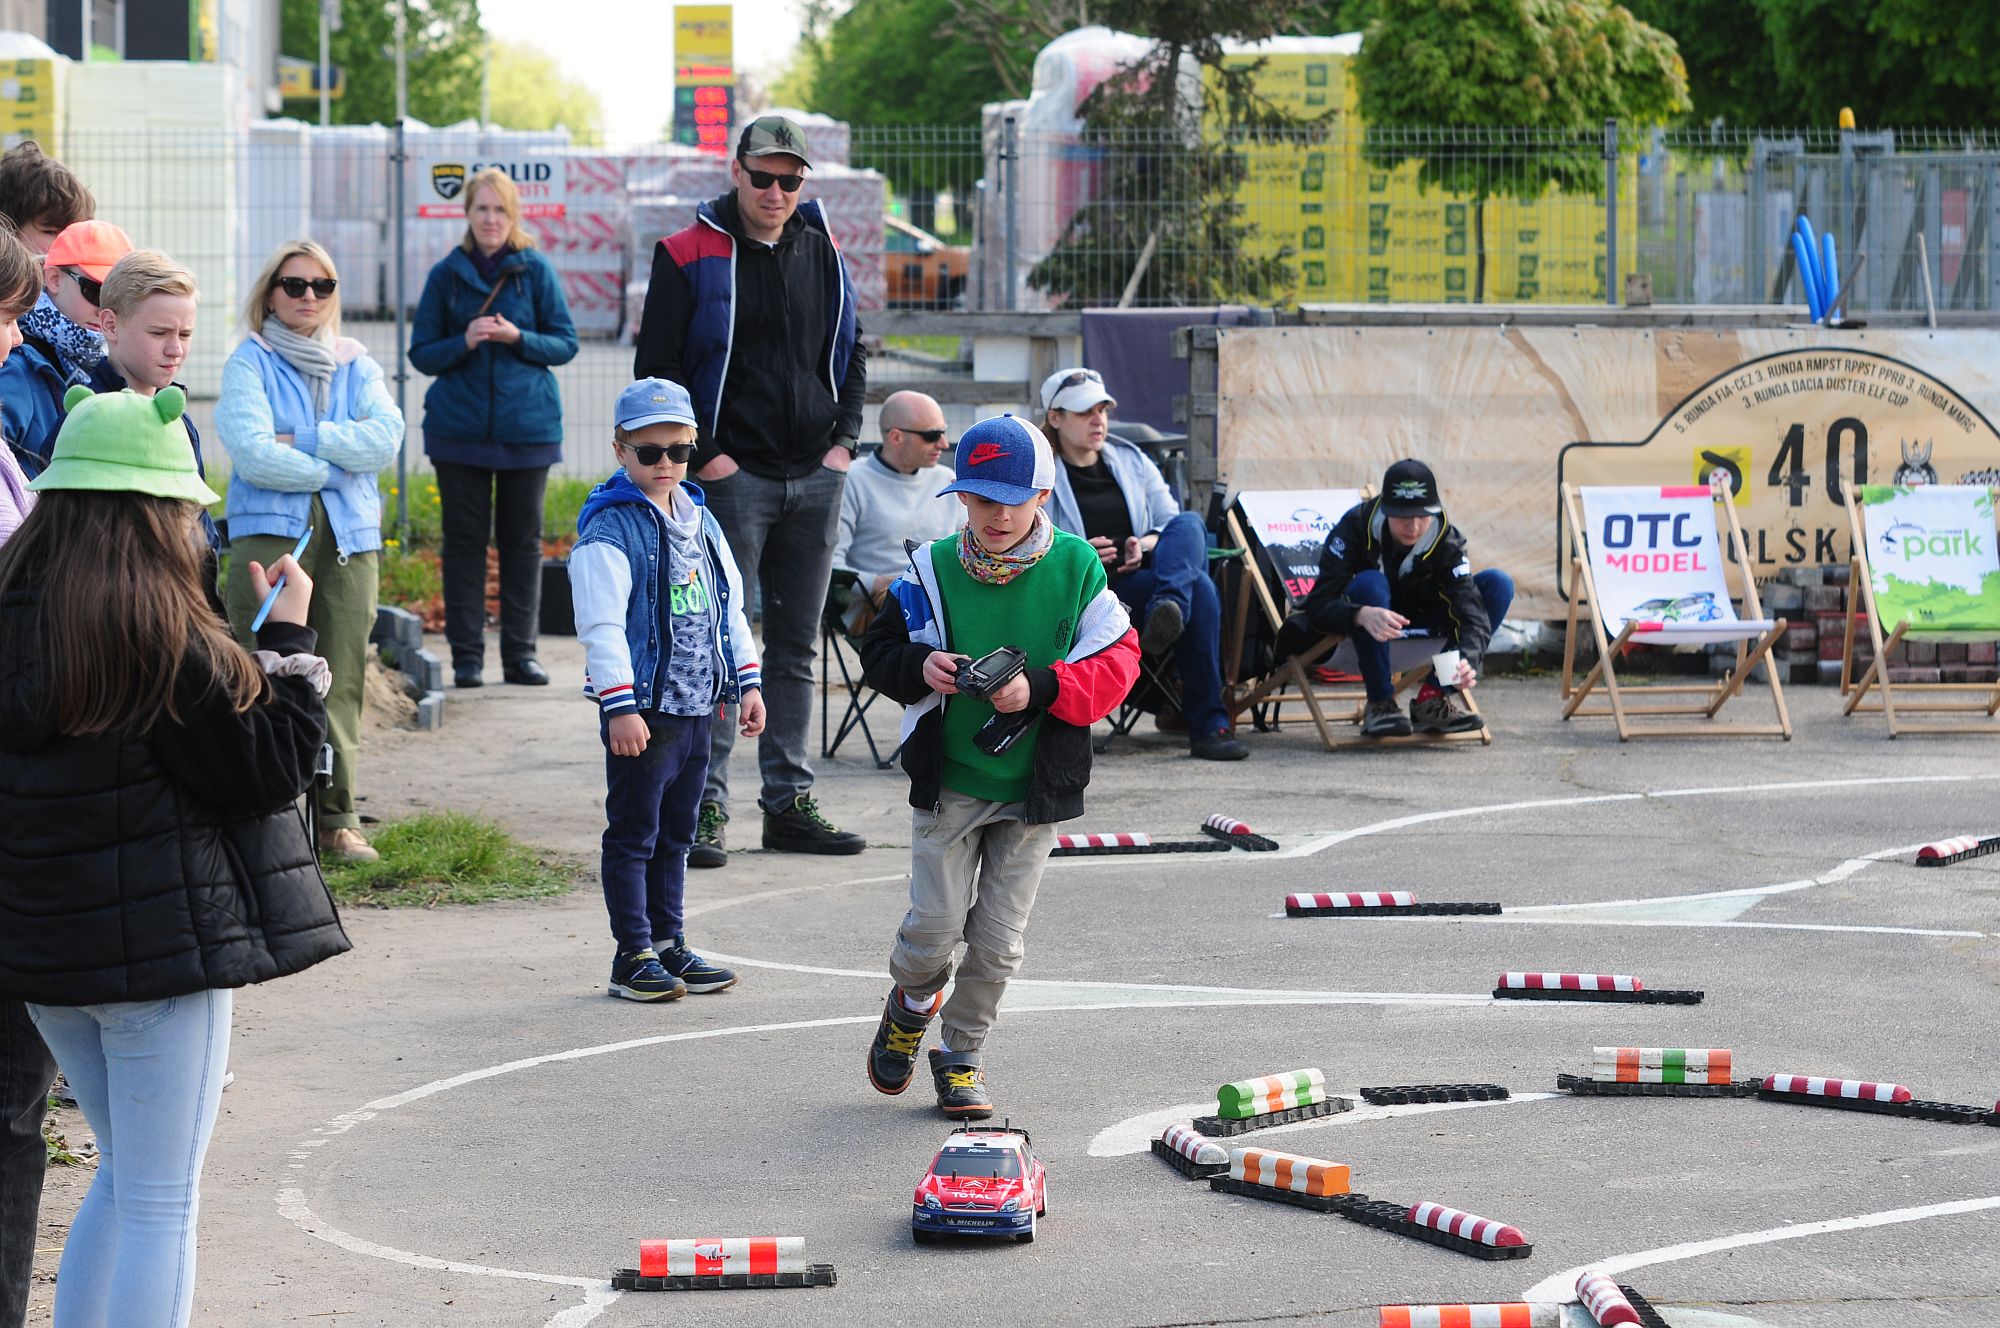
(1220, 746)
(708, 850)
(892, 1056)
(1163, 627)
(1384, 719)
(961, 1087)
(1443, 713)
(801, 829)
(637, 976)
(695, 973)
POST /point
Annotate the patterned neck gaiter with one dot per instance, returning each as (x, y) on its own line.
(997, 569)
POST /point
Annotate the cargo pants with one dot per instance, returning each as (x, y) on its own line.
(974, 869)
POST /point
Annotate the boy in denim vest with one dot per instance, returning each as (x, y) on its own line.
(987, 797)
(659, 611)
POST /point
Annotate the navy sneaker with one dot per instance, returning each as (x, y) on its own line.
(690, 968)
(961, 1084)
(637, 976)
(892, 1056)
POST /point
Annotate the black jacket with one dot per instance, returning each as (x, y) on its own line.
(142, 866)
(778, 414)
(1430, 585)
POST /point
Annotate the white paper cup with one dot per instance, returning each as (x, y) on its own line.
(1445, 664)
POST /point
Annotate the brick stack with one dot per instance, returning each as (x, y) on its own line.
(1816, 601)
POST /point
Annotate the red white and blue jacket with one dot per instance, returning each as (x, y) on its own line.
(764, 336)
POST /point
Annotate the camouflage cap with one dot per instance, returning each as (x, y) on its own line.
(769, 135)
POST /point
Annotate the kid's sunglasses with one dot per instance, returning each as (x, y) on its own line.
(765, 179)
(90, 288)
(649, 454)
(296, 287)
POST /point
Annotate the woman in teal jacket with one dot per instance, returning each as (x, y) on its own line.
(491, 325)
(308, 422)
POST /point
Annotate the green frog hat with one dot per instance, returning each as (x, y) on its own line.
(121, 442)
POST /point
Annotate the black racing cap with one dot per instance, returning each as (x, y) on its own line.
(1409, 489)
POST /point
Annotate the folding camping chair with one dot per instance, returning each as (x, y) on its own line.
(1157, 687)
(1925, 560)
(1652, 564)
(842, 592)
(1295, 679)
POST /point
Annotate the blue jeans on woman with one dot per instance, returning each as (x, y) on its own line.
(148, 1077)
(1179, 572)
(1495, 588)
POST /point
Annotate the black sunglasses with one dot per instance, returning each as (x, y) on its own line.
(649, 455)
(296, 286)
(765, 179)
(928, 435)
(1079, 378)
(91, 288)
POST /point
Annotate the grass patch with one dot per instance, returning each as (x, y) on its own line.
(447, 858)
(561, 503)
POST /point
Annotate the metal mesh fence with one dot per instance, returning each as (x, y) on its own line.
(1008, 216)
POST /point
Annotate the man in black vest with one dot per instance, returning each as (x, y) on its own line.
(751, 309)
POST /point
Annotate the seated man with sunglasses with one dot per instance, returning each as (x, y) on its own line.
(60, 342)
(752, 309)
(892, 496)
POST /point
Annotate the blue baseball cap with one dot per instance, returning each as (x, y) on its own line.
(654, 401)
(1005, 459)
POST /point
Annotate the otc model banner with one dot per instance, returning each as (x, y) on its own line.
(1503, 414)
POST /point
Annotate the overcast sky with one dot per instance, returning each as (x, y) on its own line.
(624, 49)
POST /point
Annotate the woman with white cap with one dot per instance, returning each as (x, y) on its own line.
(1156, 556)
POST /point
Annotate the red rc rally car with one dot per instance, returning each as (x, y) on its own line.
(983, 1182)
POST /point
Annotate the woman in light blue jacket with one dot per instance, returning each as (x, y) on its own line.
(308, 422)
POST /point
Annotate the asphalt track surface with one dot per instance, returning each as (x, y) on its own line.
(455, 1125)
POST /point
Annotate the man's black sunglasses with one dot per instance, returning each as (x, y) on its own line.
(649, 455)
(92, 289)
(296, 286)
(765, 179)
(928, 435)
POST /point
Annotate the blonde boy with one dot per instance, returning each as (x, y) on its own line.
(659, 611)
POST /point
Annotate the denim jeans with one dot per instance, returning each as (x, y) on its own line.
(651, 802)
(504, 507)
(782, 533)
(25, 1073)
(1179, 572)
(148, 1076)
(1495, 588)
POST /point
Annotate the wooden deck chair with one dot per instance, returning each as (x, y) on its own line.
(1279, 577)
(1650, 567)
(1926, 567)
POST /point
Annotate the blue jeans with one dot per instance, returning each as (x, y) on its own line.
(651, 804)
(1179, 572)
(1495, 587)
(148, 1076)
(782, 533)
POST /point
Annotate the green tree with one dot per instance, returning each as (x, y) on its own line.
(892, 62)
(443, 46)
(1472, 74)
(1783, 63)
(1165, 219)
(528, 90)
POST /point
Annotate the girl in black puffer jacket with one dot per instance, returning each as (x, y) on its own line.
(152, 855)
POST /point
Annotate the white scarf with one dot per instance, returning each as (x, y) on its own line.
(311, 356)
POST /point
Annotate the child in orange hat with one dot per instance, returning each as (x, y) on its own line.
(60, 342)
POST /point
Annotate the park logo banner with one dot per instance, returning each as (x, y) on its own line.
(1291, 526)
(1657, 561)
(1932, 557)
